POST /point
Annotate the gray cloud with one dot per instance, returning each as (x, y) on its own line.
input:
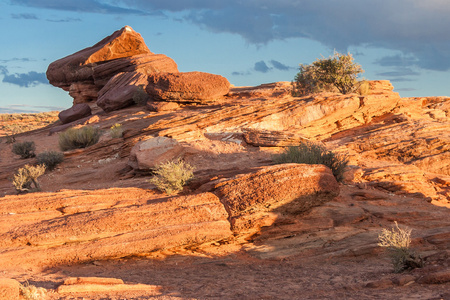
(400, 72)
(25, 16)
(66, 20)
(417, 28)
(279, 66)
(261, 66)
(92, 6)
(25, 79)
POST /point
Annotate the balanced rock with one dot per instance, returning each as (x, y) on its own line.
(84, 73)
(187, 87)
(76, 112)
(148, 154)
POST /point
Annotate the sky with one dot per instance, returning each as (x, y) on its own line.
(250, 42)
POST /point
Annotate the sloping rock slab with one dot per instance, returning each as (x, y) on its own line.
(269, 138)
(280, 190)
(117, 232)
(187, 87)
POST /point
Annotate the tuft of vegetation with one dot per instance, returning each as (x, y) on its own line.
(336, 72)
(50, 159)
(116, 131)
(397, 241)
(170, 177)
(31, 292)
(311, 153)
(26, 177)
(140, 96)
(24, 149)
(79, 138)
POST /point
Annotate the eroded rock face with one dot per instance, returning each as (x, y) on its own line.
(280, 189)
(84, 73)
(76, 112)
(120, 230)
(187, 87)
(148, 154)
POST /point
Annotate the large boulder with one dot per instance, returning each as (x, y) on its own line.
(148, 154)
(76, 112)
(84, 73)
(187, 87)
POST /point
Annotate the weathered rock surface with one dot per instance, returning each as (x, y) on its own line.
(280, 189)
(9, 289)
(117, 232)
(84, 73)
(76, 112)
(187, 87)
(148, 154)
(158, 106)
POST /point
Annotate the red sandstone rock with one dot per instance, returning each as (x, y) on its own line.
(146, 155)
(76, 112)
(280, 189)
(187, 87)
(162, 106)
(9, 289)
(122, 90)
(85, 72)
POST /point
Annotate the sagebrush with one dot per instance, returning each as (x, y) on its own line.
(171, 176)
(338, 72)
(26, 177)
(397, 241)
(74, 138)
(312, 153)
(50, 159)
(24, 149)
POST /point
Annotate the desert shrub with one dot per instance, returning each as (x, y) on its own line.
(31, 292)
(338, 71)
(24, 149)
(140, 96)
(170, 177)
(397, 241)
(311, 153)
(363, 88)
(79, 138)
(50, 159)
(26, 176)
(116, 130)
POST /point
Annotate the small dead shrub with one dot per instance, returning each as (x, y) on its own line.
(79, 138)
(116, 131)
(311, 153)
(24, 149)
(31, 292)
(170, 177)
(26, 177)
(397, 242)
(50, 159)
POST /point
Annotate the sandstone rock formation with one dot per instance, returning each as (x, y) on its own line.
(76, 112)
(187, 87)
(84, 73)
(97, 216)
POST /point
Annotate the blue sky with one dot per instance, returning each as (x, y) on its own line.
(250, 42)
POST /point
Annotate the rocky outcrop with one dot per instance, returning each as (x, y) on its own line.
(187, 87)
(9, 289)
(76, 112)
(120, 231)
(148, 154)
(84, 73)
(258, 198)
